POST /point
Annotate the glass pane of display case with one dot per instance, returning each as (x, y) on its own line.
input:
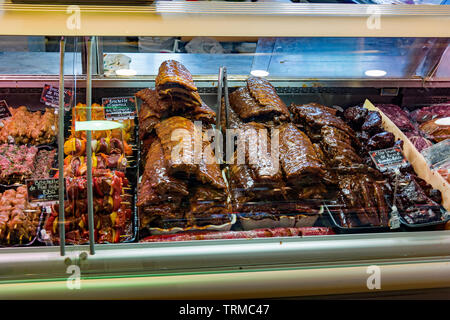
(305, 58)
(37, 55)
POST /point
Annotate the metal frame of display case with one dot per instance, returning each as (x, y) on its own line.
(164, 18)
(276, 267)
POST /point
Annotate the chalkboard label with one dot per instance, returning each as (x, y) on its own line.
(50, 96)
(119, 108)
(388, 158)
(4, 110)
(43, 190)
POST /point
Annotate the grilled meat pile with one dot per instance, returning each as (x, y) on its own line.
(26, 127)
(175, 94)
(267, 182)
(18, 219)
(188, 190)
(360, 193)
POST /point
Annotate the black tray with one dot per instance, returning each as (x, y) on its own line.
(362, 229)
(427, 225)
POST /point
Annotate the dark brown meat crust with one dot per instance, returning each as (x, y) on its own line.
(249, 109)
(298, 156)
(312, 117)
(206, 170)
(171, 71)
(157, 184)
(208, 206)
(337, 146)
(265, 95)
(175, 82)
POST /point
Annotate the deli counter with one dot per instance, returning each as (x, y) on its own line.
(223, 150)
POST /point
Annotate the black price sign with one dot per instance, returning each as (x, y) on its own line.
(43, 190)
(120, 108)
(388, 158)
(4, 110)
(50, 96)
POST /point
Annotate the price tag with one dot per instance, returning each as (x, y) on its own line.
(50, 96)
(388, 158)
(394, 221)
(4, 110)
(41, 190)
(119, 108)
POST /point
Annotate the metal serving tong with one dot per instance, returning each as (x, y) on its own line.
(223, 82)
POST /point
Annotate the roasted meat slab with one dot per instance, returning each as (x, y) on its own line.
(178, 132)
(337, 146)
(249, 109)
(208, 206)
(174, 81)
(298, 156)
(312, 117)
(266, 96)
(156, 183)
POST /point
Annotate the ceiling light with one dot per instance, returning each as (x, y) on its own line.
(259, 73)
(375, 73)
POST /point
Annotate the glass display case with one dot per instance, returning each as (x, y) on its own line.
(228, 150)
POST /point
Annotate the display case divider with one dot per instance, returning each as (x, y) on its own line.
(90, 42)
(219, 98)
(226, 98)
(62, 229)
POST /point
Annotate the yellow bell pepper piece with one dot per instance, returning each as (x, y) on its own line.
(55, 225)
(113, 217)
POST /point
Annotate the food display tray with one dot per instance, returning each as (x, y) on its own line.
(34, 240)
(360, 229)
(223, 227)
(445, 217)
(47, 147)
(258, 220)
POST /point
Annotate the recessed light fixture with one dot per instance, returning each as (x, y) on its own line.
(126, 72)
(259, 73)
(375, 73)
(97, 125)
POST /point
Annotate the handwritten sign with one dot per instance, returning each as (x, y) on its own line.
(43, 190)
(388, 158)
(4, 110)
(50, 96)
(119, 108)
